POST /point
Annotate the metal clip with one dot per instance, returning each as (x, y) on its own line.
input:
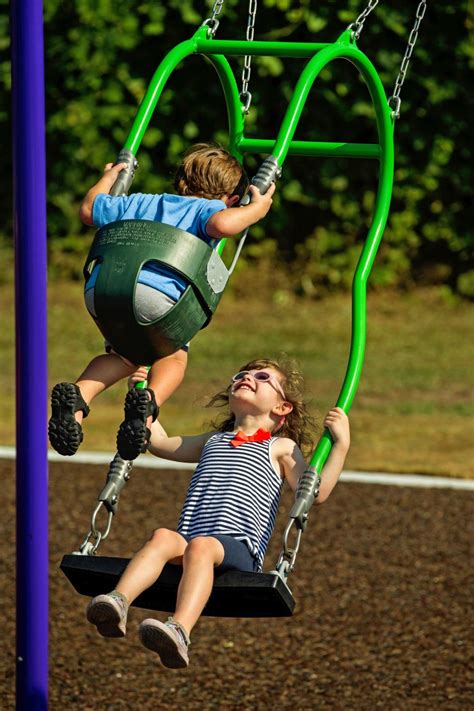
(246, 99)
(212, 24)
(395, 102)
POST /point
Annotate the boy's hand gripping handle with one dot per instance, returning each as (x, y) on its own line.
(267, 174)
(126, 176)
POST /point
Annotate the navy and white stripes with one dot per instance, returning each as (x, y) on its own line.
(234, 491)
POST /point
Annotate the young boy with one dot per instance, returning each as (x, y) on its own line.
(208, 181)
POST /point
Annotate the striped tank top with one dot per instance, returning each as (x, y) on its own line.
(234, 491)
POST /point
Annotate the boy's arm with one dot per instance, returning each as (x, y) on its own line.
(227, 223)
(177, 449)
(104, 185)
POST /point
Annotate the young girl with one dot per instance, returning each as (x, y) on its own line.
(232, 501)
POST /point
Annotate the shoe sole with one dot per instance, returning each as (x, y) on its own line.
(64, 432)
(132, 434)
(107, 620)
(158, 641)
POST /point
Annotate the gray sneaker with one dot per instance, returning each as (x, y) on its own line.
(169, 640)
(109, 614)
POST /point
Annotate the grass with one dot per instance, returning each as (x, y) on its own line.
(414, 411)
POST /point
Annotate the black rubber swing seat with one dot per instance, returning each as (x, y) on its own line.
(235, 594)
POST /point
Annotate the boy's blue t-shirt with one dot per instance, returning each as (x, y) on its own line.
(188, 213)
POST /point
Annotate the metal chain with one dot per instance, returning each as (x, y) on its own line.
(394, 101)
(357, 26)
(245, 95)
(212, 22)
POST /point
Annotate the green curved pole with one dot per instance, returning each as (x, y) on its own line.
(343, 49)
(158, 82)
(153, 93)
(161, 76)
(234, 111)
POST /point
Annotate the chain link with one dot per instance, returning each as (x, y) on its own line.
(394, 101)
(245, 95)
(357, 26)
(212, 22)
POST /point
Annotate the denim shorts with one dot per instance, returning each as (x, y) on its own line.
(236, 554)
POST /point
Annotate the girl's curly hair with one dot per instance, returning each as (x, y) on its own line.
(298, 426)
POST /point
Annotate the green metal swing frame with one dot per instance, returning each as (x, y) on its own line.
(319, 55)
(235, 593)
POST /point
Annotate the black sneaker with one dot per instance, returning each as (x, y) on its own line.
(64, 432)
(133, 436)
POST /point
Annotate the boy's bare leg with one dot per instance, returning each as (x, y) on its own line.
(146, 565)
(102, 372)
(200, 558)
(142, 406)
(165, 376)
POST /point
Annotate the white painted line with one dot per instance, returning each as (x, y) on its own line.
(416, 480)
(145, 462)
(150, 462)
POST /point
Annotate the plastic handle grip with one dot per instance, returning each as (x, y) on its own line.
(126, 176)
(267, 174)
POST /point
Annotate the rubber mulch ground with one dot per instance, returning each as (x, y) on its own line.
(382, 617)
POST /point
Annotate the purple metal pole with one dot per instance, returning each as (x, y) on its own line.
(29, 187)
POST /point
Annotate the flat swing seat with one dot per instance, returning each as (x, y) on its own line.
(235, 594)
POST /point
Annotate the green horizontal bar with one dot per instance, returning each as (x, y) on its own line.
(315, 149)
(236, 48)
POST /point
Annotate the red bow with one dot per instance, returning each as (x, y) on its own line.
(241, 437)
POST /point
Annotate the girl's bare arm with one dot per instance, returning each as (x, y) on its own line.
(337, 423)
(293, 464)
(290, 459)
(176, 449)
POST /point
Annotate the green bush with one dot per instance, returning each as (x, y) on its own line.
(100, 57)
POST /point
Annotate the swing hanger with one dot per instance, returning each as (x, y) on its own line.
(358, 24)
(394, 101)
(213, 23)
(356, 27)
(117, 477)
(245, 95)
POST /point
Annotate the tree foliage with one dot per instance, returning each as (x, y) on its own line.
(100, 55)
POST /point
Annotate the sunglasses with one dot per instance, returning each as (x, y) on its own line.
(262, 376)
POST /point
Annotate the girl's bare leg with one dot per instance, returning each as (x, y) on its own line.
(102, 372)
(201, 556)
(146, 565)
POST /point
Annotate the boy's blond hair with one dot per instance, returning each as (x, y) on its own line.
(209, 171)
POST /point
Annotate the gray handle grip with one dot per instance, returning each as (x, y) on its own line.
(126, 176)
(307, 492)
(267, 174)
(117, 477)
